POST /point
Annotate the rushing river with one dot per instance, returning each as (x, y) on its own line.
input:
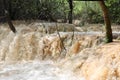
(36, 70)
(31, 54)
(25, 48)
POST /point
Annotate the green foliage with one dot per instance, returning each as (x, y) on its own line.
(51, 10)
(114, 10)
(88, 11)
(23, 9)
(39, 9)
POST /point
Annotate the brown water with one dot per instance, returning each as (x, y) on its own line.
(33, 54)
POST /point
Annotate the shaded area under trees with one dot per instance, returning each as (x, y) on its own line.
(52, 10)
(5, 13)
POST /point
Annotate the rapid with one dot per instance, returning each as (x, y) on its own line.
(37, 52)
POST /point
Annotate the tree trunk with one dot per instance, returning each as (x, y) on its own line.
(70, 15)
(109, 37)
(2, 17)
(6, 8)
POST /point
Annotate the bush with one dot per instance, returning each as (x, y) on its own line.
(51, 10)
(38, 9)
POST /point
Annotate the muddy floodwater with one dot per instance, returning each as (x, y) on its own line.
(38, 52)
(21, 55)
(36, 70)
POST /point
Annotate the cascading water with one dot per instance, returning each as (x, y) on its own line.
(33, 54)
(21, 55)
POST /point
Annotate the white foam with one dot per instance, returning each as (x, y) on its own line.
(36, 70)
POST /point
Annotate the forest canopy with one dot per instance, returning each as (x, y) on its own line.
(52, 10)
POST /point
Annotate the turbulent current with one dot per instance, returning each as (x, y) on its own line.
(22, 55)
(35, 70)
(40, 52)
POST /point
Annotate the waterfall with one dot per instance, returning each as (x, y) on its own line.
(41, 56)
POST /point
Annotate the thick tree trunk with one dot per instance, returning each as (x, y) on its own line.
(107, 21)
(6, 7)
(70, 15)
